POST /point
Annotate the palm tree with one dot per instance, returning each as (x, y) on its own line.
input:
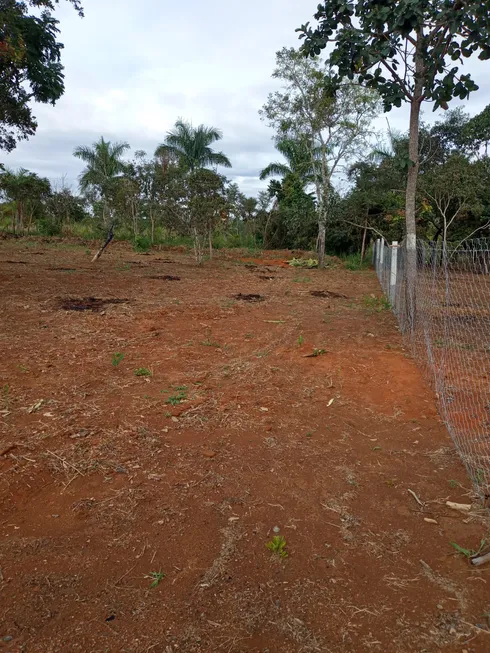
(298, 162)
(104, 165)
(191, 146)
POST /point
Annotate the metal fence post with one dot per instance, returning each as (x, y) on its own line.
(393, 269)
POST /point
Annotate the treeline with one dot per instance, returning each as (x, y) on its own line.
(325, 142)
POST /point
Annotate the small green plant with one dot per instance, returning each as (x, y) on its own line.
(210, 343)
(300, 340)
(304, 263)
(376, 304)
(469, 553)
(125, 267)
(175, 400)
(453, 484)
(479, 477)
(278, 546)
(142, 371)
(318, 352)
(117, 358)
(156, 578)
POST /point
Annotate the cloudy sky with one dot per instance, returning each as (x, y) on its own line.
(133, 68)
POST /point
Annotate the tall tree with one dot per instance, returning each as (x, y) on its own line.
(30, 66)
(205, 200)
(104, 165)
(335, 129)
(25, 190)
(408, 51)
(191, 146)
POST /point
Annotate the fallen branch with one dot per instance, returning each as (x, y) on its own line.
(416, 498)
(463, 507)
(110, 236)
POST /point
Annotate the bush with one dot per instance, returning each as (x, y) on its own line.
(47, 227)
(142, 243)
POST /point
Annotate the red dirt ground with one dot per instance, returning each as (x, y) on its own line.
(106, 476)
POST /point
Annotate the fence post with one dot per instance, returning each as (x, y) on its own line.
(393, 269)
(374, 253)
(381, 258)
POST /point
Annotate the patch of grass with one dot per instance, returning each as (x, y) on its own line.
(117, 358)
(302, 279)
(453, 484)
(175, 400)
(156, 578)
(278, 546)
(300, 340)
(479, 477)
(142, 244)
(469, 553)
(142, 371)
(304, 263)
(376, 304)
(210, 343)
(23, 368)
(125, 267)
(353, 262)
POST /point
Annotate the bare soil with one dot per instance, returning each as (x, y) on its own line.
(136, 510)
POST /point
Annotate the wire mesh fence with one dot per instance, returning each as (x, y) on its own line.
(449, 335)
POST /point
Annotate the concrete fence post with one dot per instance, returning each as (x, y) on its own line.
(393, 270)
(381, 262)
(378, 252)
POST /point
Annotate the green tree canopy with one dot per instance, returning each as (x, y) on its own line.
(30, 65)
(191, 146)
(104, 164)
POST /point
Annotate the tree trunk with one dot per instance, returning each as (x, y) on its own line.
(322, 229)
(413, 171)
(210, 241)
(363, 246)
(152, 220)
(109, 238)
